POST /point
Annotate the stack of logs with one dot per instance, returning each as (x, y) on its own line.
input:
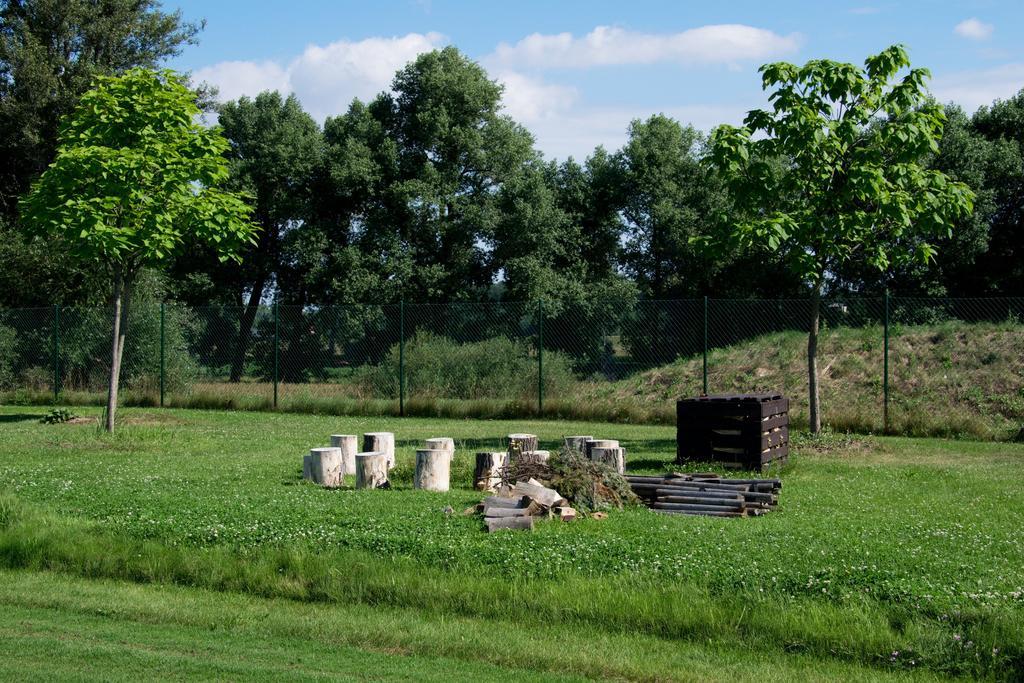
(516, 507)
(706, 494)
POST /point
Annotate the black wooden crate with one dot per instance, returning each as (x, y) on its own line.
(746, 431)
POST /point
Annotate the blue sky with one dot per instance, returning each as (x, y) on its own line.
(576, 73)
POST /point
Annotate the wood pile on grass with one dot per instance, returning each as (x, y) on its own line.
(706, 494)
(565, 486)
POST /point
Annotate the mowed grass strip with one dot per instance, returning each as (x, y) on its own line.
(58, 627)
(864, 561)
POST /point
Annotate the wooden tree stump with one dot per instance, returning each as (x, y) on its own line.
(380, 442)
(441, 443)
(598, 443)
(577, 443)
(433, 469)
(487, 473)
(613, 457)
(349, 445)
(521, 443)
(372, 470)
(326, 466)
(531, 457)
(307, 470)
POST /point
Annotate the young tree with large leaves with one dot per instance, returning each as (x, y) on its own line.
(834, 169)
(135, 176)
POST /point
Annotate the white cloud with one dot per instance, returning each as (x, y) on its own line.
(325, 78)
(609, 45)
(974, 88)
(578, 131)
(527, 99)
(974, 29)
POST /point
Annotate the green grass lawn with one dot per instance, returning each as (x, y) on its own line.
(886, 556)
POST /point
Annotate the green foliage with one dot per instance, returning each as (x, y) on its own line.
(135, 174)
(837, 166)
(57, 416)
(8, 352)
(439, 367)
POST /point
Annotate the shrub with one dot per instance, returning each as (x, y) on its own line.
(437, 367)
(8, 340)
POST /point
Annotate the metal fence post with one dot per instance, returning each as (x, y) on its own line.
(277, 348)
(540, 357)
(705, 346)
(401, 357)
(885, 367)
(56, 352)
(163, 353)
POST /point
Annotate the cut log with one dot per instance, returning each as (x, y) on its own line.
(372, 470)
(380, 442)
(521, 443)
(697, 500)
(517, 523)
(490, 513)
(349, 445)
(487, 474)
(591, 444)
(689, 507)
(307, 472)
(564, 513)
(441, 443)
(535, 457)
(703, 513)
(542, 495)
(433, 468)
(325, 467)
(614, 458)
(577, 444)
(506, 502)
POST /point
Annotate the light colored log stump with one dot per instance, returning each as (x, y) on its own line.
(521, 443)
(598, 443)
(349, 445)
(535, 457)
(577, 443)
(307, 471)
(487, 474)
(325, 466)
(433, 469)
(441, 443)
(372, 470)
(380, 442)
(614, 458)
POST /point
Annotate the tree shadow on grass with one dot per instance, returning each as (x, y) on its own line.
(20, 417)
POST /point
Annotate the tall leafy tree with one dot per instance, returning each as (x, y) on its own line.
(852, 141)
(669, 197)
(1002, 264)
(428, 160)
(135, 176)
(50, 51)
(275, 152)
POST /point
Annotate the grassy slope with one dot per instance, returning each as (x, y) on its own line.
(54, 626)
(944, 379)
(863, 559)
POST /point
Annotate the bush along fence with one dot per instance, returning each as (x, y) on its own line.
(903, 365)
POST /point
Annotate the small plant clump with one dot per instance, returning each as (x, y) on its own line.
(57, 416)
(589, 486)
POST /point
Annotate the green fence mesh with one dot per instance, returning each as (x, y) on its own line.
(953, 365)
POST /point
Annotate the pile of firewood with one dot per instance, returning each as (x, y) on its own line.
(706, 494)
(516, 507)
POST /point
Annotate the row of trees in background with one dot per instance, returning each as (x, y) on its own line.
(429, 193)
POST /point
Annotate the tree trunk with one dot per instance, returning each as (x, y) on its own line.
(348, 443)
(372, 471)
(382, 442)
(812, 361)
(326, 466)
(487, 474)
(433, 469)
(245, 328)
(116, 346)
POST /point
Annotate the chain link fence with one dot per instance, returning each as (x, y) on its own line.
(904, 365)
